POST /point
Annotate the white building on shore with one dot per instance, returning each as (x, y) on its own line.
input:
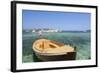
(45, 30)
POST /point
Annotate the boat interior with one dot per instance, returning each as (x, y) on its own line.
(44, 45)
(48, 44)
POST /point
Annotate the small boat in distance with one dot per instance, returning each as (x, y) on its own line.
(39, 33)
(48, 50)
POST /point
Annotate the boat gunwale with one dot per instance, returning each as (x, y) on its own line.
(49, 54)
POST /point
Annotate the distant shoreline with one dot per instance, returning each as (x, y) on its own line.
(52, 30)
(61, 32)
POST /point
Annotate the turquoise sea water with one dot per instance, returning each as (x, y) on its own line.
(79, 39)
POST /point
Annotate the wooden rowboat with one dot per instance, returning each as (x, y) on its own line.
(48, 50)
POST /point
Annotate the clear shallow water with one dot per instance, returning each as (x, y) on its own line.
(79, 39)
